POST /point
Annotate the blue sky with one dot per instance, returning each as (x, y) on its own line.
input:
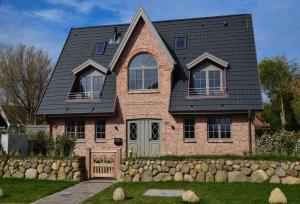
(46, 23)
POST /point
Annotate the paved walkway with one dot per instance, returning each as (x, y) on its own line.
(77, 193)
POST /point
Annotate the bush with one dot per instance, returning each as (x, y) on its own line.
(44, 144)
(64, 145)
(280, 142)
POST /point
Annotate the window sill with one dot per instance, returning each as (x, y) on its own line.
(143, 91)
(206, 96)
(100, 141)
(190, 141)
(220, 141)
(80, 141)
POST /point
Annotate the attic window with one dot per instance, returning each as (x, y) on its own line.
(180, 42)
(99, 48)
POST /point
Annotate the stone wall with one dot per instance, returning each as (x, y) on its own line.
(47, 169)
(211, 171)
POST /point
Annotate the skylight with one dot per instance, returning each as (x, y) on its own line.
(180, 42)
(99, 48)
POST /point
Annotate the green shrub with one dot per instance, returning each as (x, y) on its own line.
(40, 143)
(64, 145)
(281, 142)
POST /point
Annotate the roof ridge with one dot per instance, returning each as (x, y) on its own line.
(161, 21)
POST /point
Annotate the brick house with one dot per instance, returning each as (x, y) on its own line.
(175, 87)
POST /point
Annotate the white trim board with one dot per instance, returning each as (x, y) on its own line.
(140, 14)
(87, 63)
(204, 56)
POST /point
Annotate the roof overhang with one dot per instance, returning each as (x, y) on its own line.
(140, 14)
(88, 63)
(205, 56)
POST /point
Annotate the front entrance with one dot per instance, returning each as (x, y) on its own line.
(143, 137)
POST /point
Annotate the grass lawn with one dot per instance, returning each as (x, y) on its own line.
(26, 190)
(214, 193)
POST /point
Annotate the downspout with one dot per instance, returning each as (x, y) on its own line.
(250, 130)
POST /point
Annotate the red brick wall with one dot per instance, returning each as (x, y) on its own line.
(155, 105)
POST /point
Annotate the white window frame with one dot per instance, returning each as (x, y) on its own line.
(92, 74)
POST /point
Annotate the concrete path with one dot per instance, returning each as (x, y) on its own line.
(77, 193)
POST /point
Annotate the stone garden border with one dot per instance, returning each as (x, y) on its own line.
(210, 170)
(71, 169)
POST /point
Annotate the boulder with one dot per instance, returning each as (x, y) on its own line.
(61, 174)
(204, 167)
(118, 194)
(43, 176)
(178, 167)
(18, 174)
(55, 166)
(209, 177)
(133, 172)
(246, 171)
(75, 165)
(254, 167)
(188, 177)
(136, 178)
(47, 169)
(229, 162)
(77, 176)
(275, 179)
(259, 176)
(297, 168)
(127, 178)
(290, 180)
(52, 176)
(198, 168)
(167, 177)
(172, 171)
(280, 172)
(237, 176)
(22, 169)
(270, 171)
(146, 176)
(291, 172)
(200, 176)
(212, 169)
(31, 174)
(190, 197)
(178, 176)
(124, 167)
(40, 168)
(193, 173)
(277, 196)
(165, 168)
(221, 176)
(158, 177)
(185, 169)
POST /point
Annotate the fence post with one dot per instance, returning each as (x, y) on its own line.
(118, 161)
(88, 163)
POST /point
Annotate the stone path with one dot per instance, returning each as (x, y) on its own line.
(77, 193)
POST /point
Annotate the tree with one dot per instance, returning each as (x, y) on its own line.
(24, 72)
(276, 76)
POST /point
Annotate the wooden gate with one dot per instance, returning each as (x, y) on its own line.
(103, 164)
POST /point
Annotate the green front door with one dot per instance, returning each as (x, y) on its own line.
(143, 137)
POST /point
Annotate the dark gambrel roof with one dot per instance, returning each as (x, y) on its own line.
(230, 38)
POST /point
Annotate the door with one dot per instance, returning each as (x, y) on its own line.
(143, 137)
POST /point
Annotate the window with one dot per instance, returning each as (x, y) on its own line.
(100, 129)
(75, 129)
(207, 81)
(90, 86)
(189, 129)
(143, 73)
(133, 131)
(155, 131)
(180, 42)
(219, 128)
(99, 48)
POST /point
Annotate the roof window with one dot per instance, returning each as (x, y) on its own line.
(100, 48)
(180, 42)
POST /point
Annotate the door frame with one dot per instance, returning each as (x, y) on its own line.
(160, 133)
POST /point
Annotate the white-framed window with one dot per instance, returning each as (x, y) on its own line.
(207, 81)
(143, 73)
(189, 128)
(75, 129)
(219, 128)
(100, 129)
(91, 84)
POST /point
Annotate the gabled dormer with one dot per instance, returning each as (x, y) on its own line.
(88, 82)
(207, 76)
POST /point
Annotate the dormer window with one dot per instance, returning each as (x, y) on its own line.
(206, 81)
(207, 76)
(143, 73)
(89, 80)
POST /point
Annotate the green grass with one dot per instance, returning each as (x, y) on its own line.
(228, 156)
(209, 193)
(26, 190)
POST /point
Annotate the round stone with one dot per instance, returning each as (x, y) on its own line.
(118, 194)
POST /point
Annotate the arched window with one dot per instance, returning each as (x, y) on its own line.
(143, 72)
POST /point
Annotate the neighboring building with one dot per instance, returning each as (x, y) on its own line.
(4, 123)
(176, 87)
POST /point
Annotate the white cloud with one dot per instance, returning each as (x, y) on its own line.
(50, 14)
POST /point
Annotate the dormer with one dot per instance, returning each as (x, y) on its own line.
(89, 80)
(207, 76)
